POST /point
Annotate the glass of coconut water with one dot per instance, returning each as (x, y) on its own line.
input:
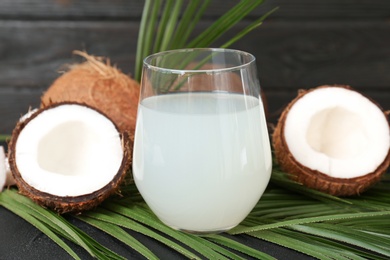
(202, 155)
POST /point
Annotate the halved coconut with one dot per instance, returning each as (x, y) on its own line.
(68, 157)
(3, 169)
(333, 139)
(10, 181)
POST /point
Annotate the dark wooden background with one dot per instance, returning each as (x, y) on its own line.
(306, 43)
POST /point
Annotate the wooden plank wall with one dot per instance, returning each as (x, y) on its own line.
(306, 43)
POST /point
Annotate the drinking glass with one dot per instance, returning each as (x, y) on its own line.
(202, 155)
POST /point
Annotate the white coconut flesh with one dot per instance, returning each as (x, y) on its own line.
(338, 132)
(69, 150)
(3, 168)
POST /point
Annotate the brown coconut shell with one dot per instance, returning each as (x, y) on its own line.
(315, 179)
(64, 204)
(98, 84)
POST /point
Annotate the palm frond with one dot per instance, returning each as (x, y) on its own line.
(175, 26)
(326, 229)
(4, 138)
(113, 218)
(53, 225)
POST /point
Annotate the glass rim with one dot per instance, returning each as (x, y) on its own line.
(147, 60)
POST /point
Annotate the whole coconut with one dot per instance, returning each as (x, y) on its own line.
(98, 84)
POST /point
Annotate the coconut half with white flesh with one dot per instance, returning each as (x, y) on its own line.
(3, 169)
(68, 157)
(333, 139)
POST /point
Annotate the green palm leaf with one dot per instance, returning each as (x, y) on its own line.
(347, 235)
(114, 218)
(53, 225)
(141, 213)
(20, 210)
(173, 30)
(230, 243)
(120, 234)
(366, 231)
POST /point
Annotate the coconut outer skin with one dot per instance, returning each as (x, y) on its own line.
(66, 204)
(313, 178)
(98, 85)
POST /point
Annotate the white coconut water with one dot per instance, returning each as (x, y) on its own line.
(201, 160)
